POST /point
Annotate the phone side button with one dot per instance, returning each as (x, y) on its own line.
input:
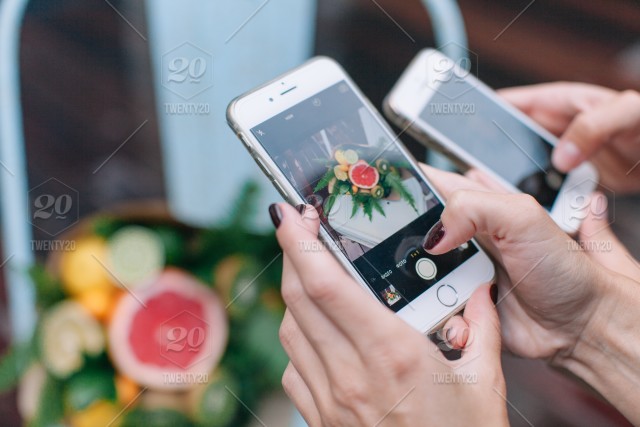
(245, 141)
(280, 189)
(447, 295)
(262, 166)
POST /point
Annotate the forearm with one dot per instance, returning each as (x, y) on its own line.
(607, 355)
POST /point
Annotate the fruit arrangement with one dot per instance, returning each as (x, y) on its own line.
(366, 181)
(144, 321)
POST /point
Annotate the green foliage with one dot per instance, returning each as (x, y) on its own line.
(161, 417)
(355, 208)
(325, 180)
(260, 335)
(218, 405)
(368, 209)
(328, 204)
(48, 288)
(51, 407)
(368, 205)
(206, 247)
(343, 187)
(244, 207)
(403, 165)
(14, 364)
(89, 386)
(107, 226)
(395, 182)
(377, 206)
(255, 357)
(174, 243)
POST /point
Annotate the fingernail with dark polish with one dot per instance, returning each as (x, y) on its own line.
(434, 236)
(276, 214)
(301, 208)
(493, 291)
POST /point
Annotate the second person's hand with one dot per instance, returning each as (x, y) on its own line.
(593, 123)
(548, 287)
(558, 300)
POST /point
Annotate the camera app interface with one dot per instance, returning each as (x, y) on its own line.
(492, 135)
(368, 196)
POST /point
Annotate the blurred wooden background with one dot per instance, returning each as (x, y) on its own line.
(86, 87)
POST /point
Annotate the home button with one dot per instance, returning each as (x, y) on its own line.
(447, 295)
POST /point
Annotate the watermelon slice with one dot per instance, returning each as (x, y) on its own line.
(170, 334)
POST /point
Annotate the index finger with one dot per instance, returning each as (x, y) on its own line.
(448, 182)
(593, 129)
(554, 105)
(329, 286)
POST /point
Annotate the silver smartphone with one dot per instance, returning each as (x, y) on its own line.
(320, 142)
(443, 105)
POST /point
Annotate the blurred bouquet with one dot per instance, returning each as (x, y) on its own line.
(144, 321)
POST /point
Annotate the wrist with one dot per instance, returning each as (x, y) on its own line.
(605, 354)
(589, 342)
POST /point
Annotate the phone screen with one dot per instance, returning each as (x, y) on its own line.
(489, 133)
(372, 202)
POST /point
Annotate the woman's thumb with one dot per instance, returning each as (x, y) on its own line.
(483, 341)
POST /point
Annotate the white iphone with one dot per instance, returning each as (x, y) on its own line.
(443, 105)
(320, 142)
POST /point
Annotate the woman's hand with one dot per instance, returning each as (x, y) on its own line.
(571, 303)
(355, 363)
(593, 123)
(547, 286)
